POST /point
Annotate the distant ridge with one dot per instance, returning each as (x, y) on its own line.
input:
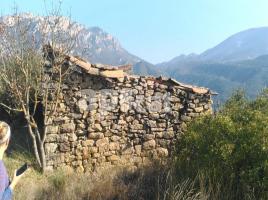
(247, 44)
(240, 61)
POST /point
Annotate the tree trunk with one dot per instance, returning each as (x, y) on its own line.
(34, 144)
(42, 154)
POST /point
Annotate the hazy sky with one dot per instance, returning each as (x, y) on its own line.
(158, 30)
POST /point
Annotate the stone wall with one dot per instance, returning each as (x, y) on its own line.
(102, 122)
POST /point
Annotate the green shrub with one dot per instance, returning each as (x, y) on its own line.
(230, 148)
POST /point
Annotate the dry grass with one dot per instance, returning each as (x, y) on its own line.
(156, 182)
(148, 183)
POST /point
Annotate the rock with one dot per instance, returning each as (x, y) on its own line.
(154, 115)
(136, 127)
(155, 106)
(137, 149)
(61, 107)
(75, 116)
(207, 107)
(159, 134)
(88, 143)
(68, 128)
(149, 136)
(93, 149)
(113, 158)
(52, 138)
(185, 118)
(168, 134)
(97, 127)
(72, 137)
(52, 129)
(82, 105)
(124, 107)
(64, 147)
(102, 142)
(128, 151)
(149, 145)
(199, 109)
(164, 143)
(93, 106)
(95, 135)
(162, 152)
(191, 105)
(114, 146)
(85, 154)
(50, 147)
(152, 123)
(115, 138)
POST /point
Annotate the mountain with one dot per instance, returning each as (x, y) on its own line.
(241, 61)
(224, 78)
(247, 44)
(93, 43)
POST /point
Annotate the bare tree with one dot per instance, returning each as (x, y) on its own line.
(31, 72)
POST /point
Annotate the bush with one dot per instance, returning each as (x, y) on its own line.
(229, 150)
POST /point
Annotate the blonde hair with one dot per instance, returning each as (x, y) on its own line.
(4, 132)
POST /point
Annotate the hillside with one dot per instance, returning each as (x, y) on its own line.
(240, 61)
(244, 45)
(251, 75)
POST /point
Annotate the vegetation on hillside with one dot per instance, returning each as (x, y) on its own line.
(222, 77)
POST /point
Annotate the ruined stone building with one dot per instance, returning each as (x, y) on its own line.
(108, 117)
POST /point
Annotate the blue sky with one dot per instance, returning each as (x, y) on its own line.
(158, 30)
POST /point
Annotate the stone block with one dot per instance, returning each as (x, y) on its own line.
(149, 136)
(82, 105)
(168, 134)
(102, 142)
(52, 138)
(113, 158)
(128, 151)
(52, 129)
(199, 109)
(137, 149)
(50, 148)
(162, 152)
(67, 128)
(95, 135)
(114, 146)
(149, 145)
(97, 127)
(88, 143)
(64, 147)
(185, 118)
(93, 149)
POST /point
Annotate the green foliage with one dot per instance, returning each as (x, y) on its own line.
(230, 147)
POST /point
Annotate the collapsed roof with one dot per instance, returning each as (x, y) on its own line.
(119, 72)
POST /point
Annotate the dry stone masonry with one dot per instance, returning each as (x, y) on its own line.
(107, 117)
